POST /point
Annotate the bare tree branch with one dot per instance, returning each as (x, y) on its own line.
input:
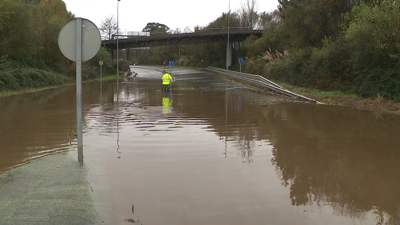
(248, 14)
(108, 28)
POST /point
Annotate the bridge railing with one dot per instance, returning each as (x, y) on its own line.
(225, 29)
(205, 30)
(258, 81)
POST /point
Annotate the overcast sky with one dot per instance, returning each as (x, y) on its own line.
(135, 14)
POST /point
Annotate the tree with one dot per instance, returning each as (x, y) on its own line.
(28, 28)
(266, 19)
(156, 28)
(17, 36)
(308, 21)
(248, 14)
(50, 17)
(187, 30)
(3, 15)
(222, 21)
(176, 31)
(108, 28)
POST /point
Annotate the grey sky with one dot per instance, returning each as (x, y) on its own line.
(135, 14)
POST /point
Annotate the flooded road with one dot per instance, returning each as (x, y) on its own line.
(211, 152)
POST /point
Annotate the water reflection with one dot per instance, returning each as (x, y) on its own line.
(338, 156)
(40, 123)
(324, 156)
(346, 158)
(35, 124)
(80, 156)
(167, 103)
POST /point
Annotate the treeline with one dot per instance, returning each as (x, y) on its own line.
(353, 46)
(347, 45)
(29, 53)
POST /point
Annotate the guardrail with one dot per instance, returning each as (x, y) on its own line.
(258, 80)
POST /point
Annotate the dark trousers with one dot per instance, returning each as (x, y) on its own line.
(166, 87)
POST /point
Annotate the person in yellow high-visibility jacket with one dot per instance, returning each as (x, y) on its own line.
(167, 79)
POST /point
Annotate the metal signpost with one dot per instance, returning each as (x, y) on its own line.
(240, 62)
(101, 70)
(79, 40)
(171, 64)
(228, 47)
(101, 77)
(117, 49)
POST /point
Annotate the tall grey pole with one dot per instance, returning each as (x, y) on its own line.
(117, 43)
(226, 122)
(101, 79)
(79, 81)
(227, 48)
(117, 79)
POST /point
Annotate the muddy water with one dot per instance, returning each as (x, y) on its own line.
(214, 153)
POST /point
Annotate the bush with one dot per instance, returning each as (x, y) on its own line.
(292, 70)
(16, 79)
(10, 82)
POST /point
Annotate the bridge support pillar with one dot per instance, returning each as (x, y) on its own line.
(111, 62)
(229, 48)
(128, 54)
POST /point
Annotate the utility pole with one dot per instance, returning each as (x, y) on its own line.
(227, 46)
(117, 45)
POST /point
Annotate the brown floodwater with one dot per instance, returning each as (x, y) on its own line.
(213, 152)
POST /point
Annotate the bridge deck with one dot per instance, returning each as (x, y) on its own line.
(180, 39)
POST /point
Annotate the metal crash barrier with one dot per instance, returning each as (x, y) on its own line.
(258, 81)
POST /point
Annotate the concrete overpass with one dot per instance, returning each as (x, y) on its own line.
(208, 36)
(198, 37)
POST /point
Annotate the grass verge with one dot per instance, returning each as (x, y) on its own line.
(377, 104)
(31, 90)
(23, 91)
(326, 97)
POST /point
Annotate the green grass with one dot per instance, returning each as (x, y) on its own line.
(315, 93)
(23, 91)
(319, 95)
(111, 77)
(32, 90)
